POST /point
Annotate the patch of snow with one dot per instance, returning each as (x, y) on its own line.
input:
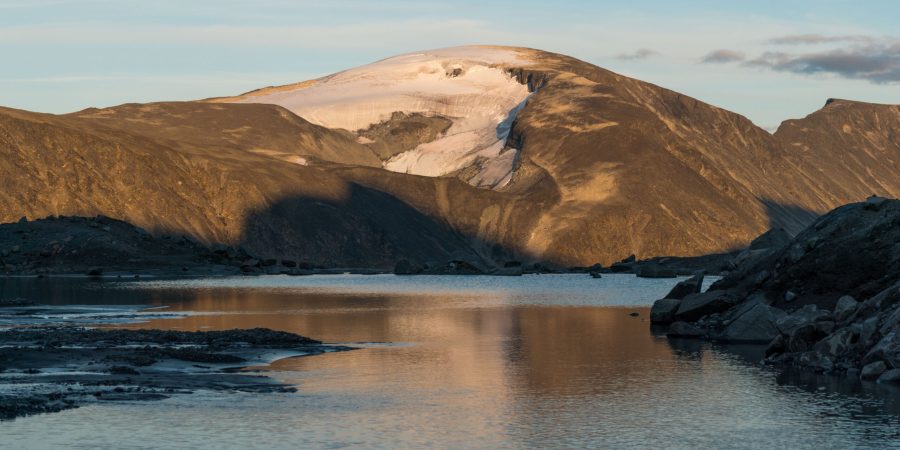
(464, 84)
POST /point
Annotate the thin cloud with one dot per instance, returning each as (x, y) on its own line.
(723, 56)
(814, 39)
(318, 37)
(878, 63)
(641, 53)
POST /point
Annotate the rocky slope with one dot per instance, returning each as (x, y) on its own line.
(828, 300)
(595, 166)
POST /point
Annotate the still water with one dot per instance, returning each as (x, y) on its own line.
(462, 362)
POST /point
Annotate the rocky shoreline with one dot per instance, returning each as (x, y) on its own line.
(828, 300)
(53, 368)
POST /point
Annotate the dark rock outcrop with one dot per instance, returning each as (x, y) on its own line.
(100, 246)
(663, 311)
(801, 298)
(684, 330)
(692, 285)
(754, 322)
(695, 306)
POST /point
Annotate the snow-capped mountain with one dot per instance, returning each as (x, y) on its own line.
(469, 86)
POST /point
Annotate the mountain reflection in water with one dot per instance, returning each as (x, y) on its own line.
(549, 361)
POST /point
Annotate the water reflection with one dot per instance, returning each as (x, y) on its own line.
(495, 366)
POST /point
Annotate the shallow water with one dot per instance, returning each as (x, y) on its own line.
(534, 361)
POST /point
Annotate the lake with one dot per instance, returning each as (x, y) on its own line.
(460, 362)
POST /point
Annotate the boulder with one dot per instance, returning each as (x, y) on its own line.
(663, 311)
(840, 343)
(684, 330)
(802, 338)
(845, 308)
(816, 361)
(695, 306)
(890, 377)
(868, 332)
(887, 350)
(888, 297)
(95, 272)
(776, 346)
(873, 370)
(761, 277)
(755, 325)
(891, 322)
(595, 274)
(804, 316)
(874, 202)
(682, 289)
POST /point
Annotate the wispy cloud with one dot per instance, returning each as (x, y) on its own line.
(877, 63)
(857, 57)
(723, 56)
(641, 53)
(813, 39)
(318, 37)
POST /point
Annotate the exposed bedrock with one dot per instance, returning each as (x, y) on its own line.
(827, 300)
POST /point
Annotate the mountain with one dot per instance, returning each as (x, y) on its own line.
(482, 154)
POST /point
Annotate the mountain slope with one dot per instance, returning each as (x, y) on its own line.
(72, 166)
(851, 149)
(584, 165)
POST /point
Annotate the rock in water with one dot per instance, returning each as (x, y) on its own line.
(873, 370)
(695, 306)
(684, 330)
(755, 324)
(850, 253)
(663, 311)
(887, 350)
(684, 288)
(890, 377)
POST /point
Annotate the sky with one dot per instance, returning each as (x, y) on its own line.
(768, 60)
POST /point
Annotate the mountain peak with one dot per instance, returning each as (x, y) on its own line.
(469, 86)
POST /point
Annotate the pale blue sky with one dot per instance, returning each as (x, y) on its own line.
(768, 60)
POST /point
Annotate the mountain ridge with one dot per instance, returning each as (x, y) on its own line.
(604, 166)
